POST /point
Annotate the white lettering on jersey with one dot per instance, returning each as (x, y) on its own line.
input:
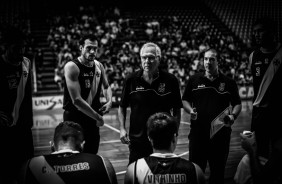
(71, 168)
(166, 178)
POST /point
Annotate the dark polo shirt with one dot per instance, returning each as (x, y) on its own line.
(145, 99)
(210, 98)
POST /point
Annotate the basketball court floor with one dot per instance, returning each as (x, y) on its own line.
(111, 147)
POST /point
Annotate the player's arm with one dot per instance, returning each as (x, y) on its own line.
(122, 122)
(27, 115)
(248, 143)
(73, 86)
(107, 91)
(263, 170)
(129, 175)
(177, 115)
(25, 176)
(250, 61)
(200, 175)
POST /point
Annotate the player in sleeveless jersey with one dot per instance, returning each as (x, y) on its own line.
(163, 166)
(85, 80)
(66, 164)
(16, 115)
(266, 124)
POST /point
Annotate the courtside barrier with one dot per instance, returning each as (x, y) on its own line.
(56, 101)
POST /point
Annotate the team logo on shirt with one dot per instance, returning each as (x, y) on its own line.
(221, 87)
(25, 74)
(13, 84)
(276, 62)
(91, 74)
(97, 74)
(161, 88)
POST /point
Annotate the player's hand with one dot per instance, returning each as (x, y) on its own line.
(228, 120)
(124, 137)
(248, 142)
(193, 114)
(100, 122)
(106, 108)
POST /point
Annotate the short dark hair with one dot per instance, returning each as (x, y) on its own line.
(84, 37)
(161, 128)
(11, 35)
(268, 23)
(213, 51)
(68, 130)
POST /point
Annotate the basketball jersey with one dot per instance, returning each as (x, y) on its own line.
(67, 167)
(11, 79)
(85, 78)
(259, 64)
(165, 168)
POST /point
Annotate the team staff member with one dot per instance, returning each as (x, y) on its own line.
(146, 92)
(66, 164)
(209, 95)
(16, 117)
(85, 78)
(163, 166)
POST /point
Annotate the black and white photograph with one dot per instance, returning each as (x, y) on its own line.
(151, 92)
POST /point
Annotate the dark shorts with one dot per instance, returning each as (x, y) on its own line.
(139, 150)
(91, 131)
(267, 124)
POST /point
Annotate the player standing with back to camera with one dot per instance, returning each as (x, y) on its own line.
(67, 164)
(216, 100)
(85, 78)
(163, 166)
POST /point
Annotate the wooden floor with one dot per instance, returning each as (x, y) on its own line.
(112, 148)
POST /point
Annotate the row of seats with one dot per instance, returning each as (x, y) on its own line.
(239, 15)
